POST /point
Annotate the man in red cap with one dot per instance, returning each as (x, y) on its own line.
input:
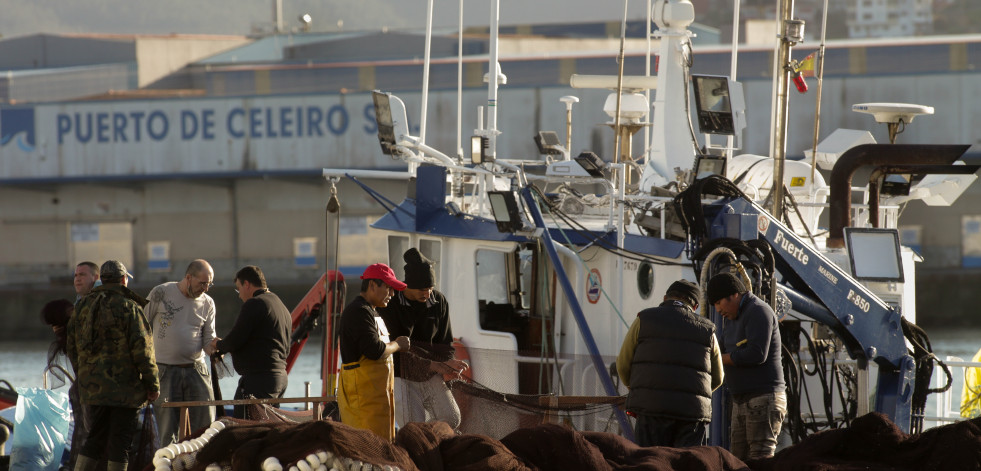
(366, 396)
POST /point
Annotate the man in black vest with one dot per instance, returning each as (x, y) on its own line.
(671, 362)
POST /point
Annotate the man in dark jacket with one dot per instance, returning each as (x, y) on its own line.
(423, 314)
(754, 370)
(259, 341)
(670, 361)
(110, 346)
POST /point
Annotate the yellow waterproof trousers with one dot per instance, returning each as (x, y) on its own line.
(971, 396)
(366, 396)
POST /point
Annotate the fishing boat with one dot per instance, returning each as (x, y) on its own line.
(546, 258)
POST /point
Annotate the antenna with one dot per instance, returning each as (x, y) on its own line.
(893, 114)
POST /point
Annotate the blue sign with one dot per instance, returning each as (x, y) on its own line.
(17, 124)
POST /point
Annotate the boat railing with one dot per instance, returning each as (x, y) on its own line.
(184, 422)
(943, 407)
(947, 404)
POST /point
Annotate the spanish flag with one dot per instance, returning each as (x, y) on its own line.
(808, 65)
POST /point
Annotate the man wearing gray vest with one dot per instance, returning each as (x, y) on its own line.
(671, 362)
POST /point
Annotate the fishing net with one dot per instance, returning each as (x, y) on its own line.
(272, 413)
(146, 441)
(504, 391)
(519, 425)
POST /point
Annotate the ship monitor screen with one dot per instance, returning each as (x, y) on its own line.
(712, 104)
(874, 254)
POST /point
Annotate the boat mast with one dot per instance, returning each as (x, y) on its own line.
(492, 78)
(820, 83)
(667, 149)
(733, 68)
(791, 32)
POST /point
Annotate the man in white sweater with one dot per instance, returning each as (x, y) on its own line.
(182, 319)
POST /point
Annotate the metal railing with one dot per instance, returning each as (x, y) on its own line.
(947, 404)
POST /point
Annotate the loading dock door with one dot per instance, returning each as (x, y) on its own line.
(101, 241)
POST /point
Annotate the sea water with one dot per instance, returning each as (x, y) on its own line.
(22, 363)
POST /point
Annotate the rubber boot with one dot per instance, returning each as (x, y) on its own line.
(84, 463)
(116, 466)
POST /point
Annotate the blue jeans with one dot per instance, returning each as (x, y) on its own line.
(179, 383)
(755, 425)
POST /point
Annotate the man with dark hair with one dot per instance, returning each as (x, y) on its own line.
(754, 371)
(670, 361)
(366, 397)
(259, 341)
(86, 276)
(182, 317)
(110, 345)
(423, 314)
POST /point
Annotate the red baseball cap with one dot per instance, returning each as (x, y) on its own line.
(380, 271)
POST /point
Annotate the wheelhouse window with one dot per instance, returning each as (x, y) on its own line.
(514, 293)
(397, 245)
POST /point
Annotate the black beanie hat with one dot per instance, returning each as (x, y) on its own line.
(724, 285)
(419, 272)
(684, 289)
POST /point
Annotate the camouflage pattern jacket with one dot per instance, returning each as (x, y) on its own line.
(110, 346)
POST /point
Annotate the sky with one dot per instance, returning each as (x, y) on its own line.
(242, 17)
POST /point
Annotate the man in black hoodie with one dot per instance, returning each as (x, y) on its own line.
(259, 341)
(422, 314)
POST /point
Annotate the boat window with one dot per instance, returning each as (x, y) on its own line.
(397, 245)
(495, 271)
(645, 279)
(492, 277)
(430, 250)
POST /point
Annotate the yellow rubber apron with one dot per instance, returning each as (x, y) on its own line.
(971, 395)
(366, 393)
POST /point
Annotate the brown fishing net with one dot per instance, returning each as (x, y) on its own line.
(872, 443)
(504, 391)
(519, 426)
(269, 413)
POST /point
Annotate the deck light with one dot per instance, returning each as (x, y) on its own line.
(477, 146)
(548, 143)
(707, 165)
(383, 116)
(591, 163)
(504, 205)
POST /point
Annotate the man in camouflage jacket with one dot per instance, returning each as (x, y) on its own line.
(111, 349)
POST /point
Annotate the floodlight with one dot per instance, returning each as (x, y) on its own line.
(707, 165)
(591, 163)
(477, 146)
(548, 143)
(504, 205)
(874, 254)
(896, 184)
(383, 117)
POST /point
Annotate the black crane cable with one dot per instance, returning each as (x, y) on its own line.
(924, 358)
(599, 241)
